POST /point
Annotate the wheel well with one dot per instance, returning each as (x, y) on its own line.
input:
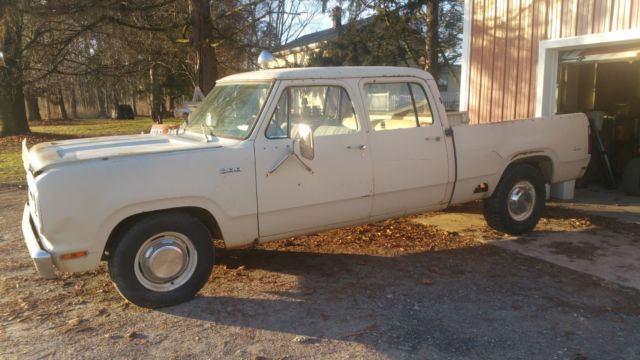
(201, 214)
(542, 163)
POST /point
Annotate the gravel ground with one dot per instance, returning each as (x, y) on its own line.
(396, 289)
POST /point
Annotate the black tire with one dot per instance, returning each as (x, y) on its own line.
(631, 177)
(496, 208)
(128, 275)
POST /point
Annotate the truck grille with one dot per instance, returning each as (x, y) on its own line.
(33, 204)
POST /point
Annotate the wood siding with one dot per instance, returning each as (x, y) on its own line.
(505, 36)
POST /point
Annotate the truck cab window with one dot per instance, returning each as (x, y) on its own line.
(327, 110)
(397, 106)
(425, 117)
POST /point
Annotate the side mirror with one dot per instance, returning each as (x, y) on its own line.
(305, 142)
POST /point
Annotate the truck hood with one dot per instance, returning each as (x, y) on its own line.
(49, 154)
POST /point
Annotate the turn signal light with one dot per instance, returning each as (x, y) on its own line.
(481, 188)
(73, 255)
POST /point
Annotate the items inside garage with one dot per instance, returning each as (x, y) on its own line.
(604, 83)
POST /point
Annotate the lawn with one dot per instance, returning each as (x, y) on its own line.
(11, 169)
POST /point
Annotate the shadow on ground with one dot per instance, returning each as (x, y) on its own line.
(472, 302)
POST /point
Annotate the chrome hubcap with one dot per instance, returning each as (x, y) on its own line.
(165, 261)
(522, 199)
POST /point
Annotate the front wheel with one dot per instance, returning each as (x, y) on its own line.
(517, 203)
(162, 260)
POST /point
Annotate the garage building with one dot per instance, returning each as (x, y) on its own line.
(525, 58)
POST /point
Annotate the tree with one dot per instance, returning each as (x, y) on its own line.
(12, 109)
(203, 43)
(432, 43)
(78, 54)
(408, 33)
(64, 38)
(285, 20)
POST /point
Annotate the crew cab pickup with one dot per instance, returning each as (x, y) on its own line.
(275, 153)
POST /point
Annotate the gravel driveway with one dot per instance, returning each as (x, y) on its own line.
(396, 289)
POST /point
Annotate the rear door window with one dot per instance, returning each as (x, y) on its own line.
(399, 105)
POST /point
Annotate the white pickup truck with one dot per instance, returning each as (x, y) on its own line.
(276, 153)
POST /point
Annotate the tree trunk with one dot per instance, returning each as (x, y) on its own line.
(47, 100)
(156, 94)
(61, 106)
(107, 104)
(32, 107)
(134, 103)
(12, 110)
(432, 40)
(74, 103)
(116, 98)
(207, 62)
(12, 107)
(102, 111)
(132, 97)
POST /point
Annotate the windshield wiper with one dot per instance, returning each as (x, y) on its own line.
(204, 129)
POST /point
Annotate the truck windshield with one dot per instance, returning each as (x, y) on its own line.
(230, 110)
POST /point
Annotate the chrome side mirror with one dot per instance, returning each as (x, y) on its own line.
(304, 143)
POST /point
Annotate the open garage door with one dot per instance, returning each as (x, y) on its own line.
(604, 83)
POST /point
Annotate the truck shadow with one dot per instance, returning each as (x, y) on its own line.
(475, 301)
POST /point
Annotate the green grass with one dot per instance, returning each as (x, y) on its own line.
(11, 169)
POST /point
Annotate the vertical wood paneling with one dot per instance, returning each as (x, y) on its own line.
(538, 34)
(621, 15)
(497, 91)
(555, 13)
(635, 15)
(597, 16)
(569, 18)
(487, 61)
(505, 42)
(585, 17)
(511, 59)
(475, 59)
(608, 19)
(524, 65)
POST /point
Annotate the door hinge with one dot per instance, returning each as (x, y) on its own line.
(448, 132)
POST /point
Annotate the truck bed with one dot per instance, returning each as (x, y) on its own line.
(558, 144)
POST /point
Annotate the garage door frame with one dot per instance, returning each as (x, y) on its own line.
(548, 62)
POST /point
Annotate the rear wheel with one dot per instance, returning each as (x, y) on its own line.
(162, 260)
(516, 205)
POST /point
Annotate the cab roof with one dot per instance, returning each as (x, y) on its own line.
(341, 72)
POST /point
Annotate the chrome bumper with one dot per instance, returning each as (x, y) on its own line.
(41, 258)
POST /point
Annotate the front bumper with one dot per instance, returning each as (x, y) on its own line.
(41, 258)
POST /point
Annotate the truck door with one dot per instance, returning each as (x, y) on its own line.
(408, 148)
(334, 187)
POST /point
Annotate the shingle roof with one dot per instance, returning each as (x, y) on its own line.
(318, 36)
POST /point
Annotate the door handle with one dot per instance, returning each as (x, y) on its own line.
(437, 138)
(360, 147)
